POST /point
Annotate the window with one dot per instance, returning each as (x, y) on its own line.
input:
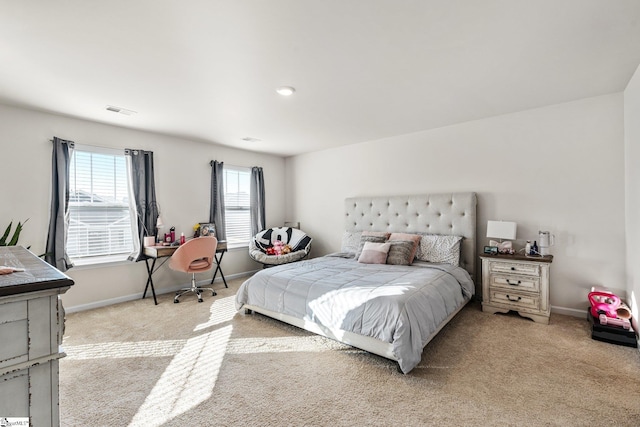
(236, 201)
(99, 211)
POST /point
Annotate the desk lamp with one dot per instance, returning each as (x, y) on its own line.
(501, 230)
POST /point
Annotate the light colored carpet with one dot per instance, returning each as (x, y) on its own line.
(205, 364)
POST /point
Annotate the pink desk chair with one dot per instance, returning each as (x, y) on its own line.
(194, 256)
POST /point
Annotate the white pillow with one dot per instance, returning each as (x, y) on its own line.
(437, 248)
(350, 241)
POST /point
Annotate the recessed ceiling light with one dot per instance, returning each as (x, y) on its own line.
(120, 110)
(285, 90)
(249, 139)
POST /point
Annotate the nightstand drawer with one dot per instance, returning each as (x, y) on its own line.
(515, 299)
(531, 284)
(515, 268)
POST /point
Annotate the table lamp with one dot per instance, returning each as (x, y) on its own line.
(501, 230)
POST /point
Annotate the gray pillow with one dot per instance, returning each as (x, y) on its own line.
(400, 252)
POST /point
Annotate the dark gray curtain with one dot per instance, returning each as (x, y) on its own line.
(144, 193)
(256, 203)
(216, 210)
(56, 254)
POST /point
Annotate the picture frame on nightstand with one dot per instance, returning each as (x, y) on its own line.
(490, 250)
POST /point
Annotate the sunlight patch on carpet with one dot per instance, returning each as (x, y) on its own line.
(121, 350)
(222, 310)
(168, 348)
(188, 381)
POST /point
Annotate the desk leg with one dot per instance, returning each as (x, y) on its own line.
(150, 280)
(218, 268)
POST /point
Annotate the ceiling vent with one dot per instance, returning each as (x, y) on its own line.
(121, 110)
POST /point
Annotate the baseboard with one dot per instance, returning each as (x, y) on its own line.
(125, 298)
(569, 311)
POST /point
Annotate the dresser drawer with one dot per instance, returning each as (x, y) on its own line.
(527, 269)
(14, 333)
(509, 281)
(515, 299)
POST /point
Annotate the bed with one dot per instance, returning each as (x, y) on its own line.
(389, 310)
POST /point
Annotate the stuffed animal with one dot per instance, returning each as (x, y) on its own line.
(278, 245)
(278, 248)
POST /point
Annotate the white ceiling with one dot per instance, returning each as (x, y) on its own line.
(363, 69)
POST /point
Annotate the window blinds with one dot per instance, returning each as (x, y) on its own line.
(99, 219)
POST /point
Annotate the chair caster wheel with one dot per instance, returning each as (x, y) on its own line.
(200, 300)
(213, 293)
(175, 301)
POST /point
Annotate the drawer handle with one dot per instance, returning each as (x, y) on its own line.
(513, 269)
(513, 300)
(513, 284)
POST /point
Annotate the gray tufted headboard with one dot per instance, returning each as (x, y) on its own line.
(452, 213)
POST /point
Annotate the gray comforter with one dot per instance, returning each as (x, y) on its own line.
(400, 305)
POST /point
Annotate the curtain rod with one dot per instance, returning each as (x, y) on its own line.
(104, 148)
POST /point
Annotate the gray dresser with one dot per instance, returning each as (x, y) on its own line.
(31, 329)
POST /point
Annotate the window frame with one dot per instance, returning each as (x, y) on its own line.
(234, 243)
(128, 233)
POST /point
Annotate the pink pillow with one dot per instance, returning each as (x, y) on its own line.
(415, 238)
(374, 253)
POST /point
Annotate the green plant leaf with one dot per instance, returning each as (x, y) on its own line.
(16, 235)
(3, 240)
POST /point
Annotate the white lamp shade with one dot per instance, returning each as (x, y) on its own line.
(501, 230)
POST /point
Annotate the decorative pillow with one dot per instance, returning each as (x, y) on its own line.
(436, 248)
(400, 252)
(371, 236)
(374, 253)
(350, 241)
(415, 238)
(384, 234)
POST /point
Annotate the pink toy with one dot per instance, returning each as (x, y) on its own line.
(604, 302)
(604, 320)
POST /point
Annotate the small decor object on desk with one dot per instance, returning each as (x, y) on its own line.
(207, 230)
(196, 230)
(149, 241)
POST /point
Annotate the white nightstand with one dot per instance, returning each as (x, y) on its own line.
(518, 283)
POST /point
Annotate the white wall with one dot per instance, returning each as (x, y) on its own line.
(632, 190)
(182, 175)
(558, 168)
